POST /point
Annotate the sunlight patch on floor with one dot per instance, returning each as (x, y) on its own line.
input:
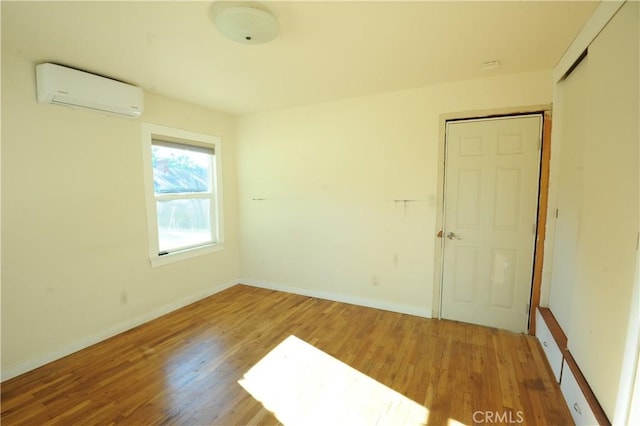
(302, 385)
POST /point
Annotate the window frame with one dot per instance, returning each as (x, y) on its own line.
(151, 132)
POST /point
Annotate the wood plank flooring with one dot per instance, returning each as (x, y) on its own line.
(184, 367)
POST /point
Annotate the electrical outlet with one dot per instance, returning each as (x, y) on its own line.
(374, 280)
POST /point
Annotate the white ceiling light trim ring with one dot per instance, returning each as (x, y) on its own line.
(247, 25)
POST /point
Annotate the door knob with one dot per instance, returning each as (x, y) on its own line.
(452, 236)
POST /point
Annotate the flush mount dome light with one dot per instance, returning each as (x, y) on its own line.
(246, 25)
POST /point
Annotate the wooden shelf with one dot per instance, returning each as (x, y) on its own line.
(554, 328)
(598, 412)
(561, 340)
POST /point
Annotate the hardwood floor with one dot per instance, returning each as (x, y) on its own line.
(184, 367)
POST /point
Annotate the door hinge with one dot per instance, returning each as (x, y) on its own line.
(526, 308)
(556, 213)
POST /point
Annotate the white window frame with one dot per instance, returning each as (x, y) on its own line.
(149, 133)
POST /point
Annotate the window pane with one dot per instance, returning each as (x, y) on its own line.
(183, 223)
(178, 170)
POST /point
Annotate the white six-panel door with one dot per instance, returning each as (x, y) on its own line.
(490, 211)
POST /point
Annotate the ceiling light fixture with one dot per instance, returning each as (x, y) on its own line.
(247, 25)
(490, 65)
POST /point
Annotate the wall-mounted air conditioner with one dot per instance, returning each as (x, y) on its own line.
(79, 89)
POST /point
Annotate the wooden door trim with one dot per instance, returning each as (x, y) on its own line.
(544, 166)
(543, 198)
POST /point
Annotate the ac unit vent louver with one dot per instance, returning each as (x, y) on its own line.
(79, 89)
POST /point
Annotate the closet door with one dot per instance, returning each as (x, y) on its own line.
(570, 114)
(598, 201)
(610, 207)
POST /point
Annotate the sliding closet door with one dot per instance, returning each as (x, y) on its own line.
(595, 245)
(609, 222)
(570, 114)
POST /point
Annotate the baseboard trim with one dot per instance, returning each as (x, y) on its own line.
(83, 343)
(343, 298)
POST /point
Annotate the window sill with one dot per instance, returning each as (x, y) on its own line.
(185, 254)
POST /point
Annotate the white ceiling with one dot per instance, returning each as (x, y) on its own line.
(325, 50)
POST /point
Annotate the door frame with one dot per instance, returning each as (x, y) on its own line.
(545, 110)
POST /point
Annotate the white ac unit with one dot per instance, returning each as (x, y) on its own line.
(79, 89)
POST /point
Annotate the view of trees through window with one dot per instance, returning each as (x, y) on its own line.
(183, 186)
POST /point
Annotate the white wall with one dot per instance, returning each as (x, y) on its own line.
(74, 223)
(319, 187)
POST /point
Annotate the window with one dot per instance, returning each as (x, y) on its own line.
(182, 175)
